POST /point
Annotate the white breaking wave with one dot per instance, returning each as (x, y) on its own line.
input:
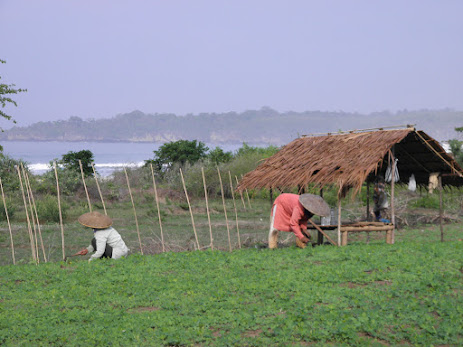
(104, 169)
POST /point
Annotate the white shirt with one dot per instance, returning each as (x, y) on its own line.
(110, 237)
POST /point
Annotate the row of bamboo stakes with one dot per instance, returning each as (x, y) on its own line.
(33, 224)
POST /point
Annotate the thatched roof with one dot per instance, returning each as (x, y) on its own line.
(348, 160)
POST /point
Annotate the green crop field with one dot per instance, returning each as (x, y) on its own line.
(410, 293)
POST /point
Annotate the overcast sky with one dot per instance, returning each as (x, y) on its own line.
(98, 58)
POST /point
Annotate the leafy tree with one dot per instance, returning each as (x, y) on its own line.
(178, 152)
(70, 161)
(9, 173)
(456, 148)
(217, 156)
(5, 91)
(263, 152)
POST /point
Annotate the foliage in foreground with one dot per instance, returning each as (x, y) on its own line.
(408, 293)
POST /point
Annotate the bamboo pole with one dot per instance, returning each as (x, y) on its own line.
(60, 214)
(34, 225)
(236, 213)
(159, 210)
(241, 193)
(247, 195)
(8, 221)
(134, 211)
(99, 190)
(27, 215)
(339, 220)
(36, 218)
(441, 210)
(207, 208)
(191, 211)
(321, 231)
(85, 186)
(224, 209)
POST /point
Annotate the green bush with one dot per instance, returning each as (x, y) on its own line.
(11, 210)
(427, 201)
(48, 211)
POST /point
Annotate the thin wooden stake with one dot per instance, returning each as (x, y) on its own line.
(224, 209)
(159, 211)
(236, 213)
(339, 220)
(134, 211)
(8, 221)
(31, 237)
(85, 186)
(99, 190)
(241, 193)
(191, 211)
(60, 214)
(247, 195)
(207, 208)
(32, 214)
(36, 217)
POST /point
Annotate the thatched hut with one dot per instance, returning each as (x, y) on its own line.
(347, 160)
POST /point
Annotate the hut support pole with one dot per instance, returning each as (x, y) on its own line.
(339, 220)
(8, 221)
(157, 205)
(191, 211)
(224, 209)
(134, 210)
(368, 202)
(59, 209)
(271, 196)
(207, 208)
(319, 234)
(441, 210)
(392, 239)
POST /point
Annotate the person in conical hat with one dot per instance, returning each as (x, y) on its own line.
(291, 212)
(106, 242)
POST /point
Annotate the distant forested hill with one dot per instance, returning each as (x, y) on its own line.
(264, 126)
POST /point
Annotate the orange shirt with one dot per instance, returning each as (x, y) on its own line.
(290, 214)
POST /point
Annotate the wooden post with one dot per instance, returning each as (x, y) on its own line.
(392, 197)
(344, 238)
(224, 209)
(134, 210)
(247, 195)
(271, 196)
(368, 202)
(191, 211)
(441, 210)
(8, 221)
(207, 208)
(99, 190)
(339, 220)
(236, 213)
(36, 217)
(159, 211)
(319, 234)
(31, 237)
(85, 186)
(241, 193)
(59, 209)
(320, 230)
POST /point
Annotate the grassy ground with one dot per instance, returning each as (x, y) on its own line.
(409, 293)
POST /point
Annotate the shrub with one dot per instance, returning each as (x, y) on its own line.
(11, 210)
(48, 211)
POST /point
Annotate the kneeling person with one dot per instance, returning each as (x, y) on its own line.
(291, 212)
(106, 242)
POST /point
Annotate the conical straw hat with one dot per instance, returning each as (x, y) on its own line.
(315, 204)
(95, 220)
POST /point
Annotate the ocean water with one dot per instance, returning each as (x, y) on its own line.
(109, 157)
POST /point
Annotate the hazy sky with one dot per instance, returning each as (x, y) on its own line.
(103, 57)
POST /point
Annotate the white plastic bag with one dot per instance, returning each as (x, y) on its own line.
(412, 183)
(388, 176)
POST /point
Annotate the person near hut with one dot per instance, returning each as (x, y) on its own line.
(380, 201)
(106, 242)
(291, 212)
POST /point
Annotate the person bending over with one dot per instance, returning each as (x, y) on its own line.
(106, 242)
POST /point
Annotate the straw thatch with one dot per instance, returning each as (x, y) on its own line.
(348, 160)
